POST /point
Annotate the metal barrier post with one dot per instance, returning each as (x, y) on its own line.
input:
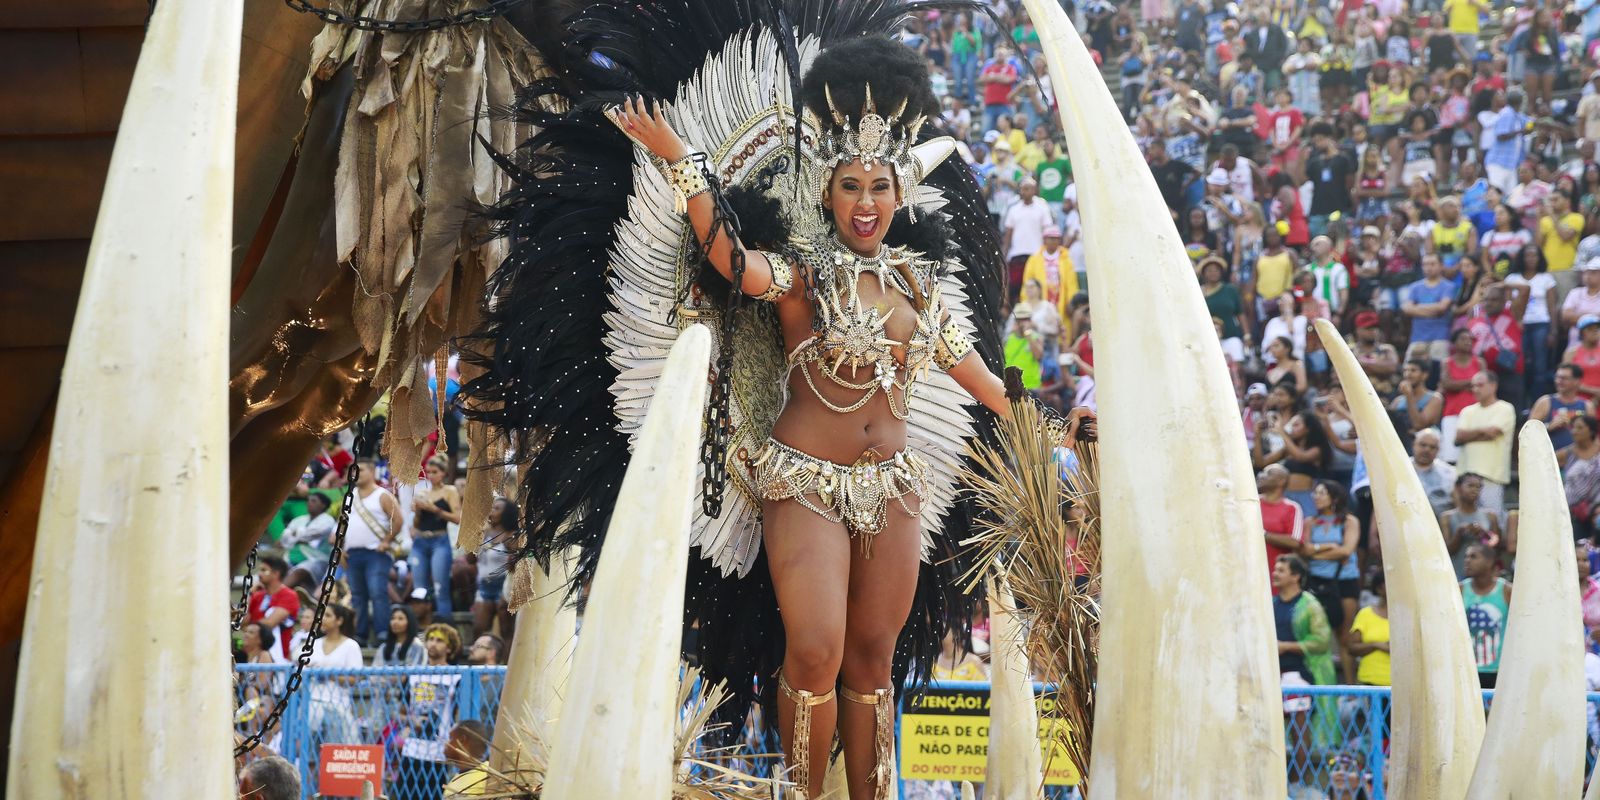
(296, 735)
(1377, 713)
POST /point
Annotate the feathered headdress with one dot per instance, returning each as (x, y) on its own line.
(856, 126)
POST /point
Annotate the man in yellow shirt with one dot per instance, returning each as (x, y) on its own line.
(1559, 231)
(1484, 432)
(1462, 18)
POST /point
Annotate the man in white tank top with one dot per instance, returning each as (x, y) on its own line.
(375, 522)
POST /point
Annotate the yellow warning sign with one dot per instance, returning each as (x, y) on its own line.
(944, 736)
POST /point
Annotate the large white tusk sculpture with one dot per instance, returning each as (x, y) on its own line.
(1179, 468)
(123, 688)
(615, 734)
(1015, 766)
(539, 663)
(1436, 707)
(1535, 740)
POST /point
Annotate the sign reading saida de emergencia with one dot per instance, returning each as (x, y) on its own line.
(944, 736)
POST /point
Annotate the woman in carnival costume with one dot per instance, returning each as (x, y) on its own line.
(809, 223)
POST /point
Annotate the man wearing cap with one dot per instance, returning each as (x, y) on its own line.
(1024, 347)
(1586, 355)
(1024, 226)
(1223, 210)
(1254, 411)
(1377, 358)
(1052, 267)
(1584, 300)
(420, 601)
(1004, 178)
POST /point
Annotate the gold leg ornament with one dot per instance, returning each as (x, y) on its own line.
(882, 702)
(800, 744)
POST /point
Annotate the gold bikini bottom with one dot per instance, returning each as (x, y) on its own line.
(856, 495)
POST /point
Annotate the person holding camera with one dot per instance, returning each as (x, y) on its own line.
(1024, 348)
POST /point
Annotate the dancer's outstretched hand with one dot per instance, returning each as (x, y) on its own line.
(644, 123)
(1082, 426)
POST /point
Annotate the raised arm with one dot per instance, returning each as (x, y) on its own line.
(644, 124)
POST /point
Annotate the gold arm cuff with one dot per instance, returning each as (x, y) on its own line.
(782, 277)
(951, 346)
(688, 181)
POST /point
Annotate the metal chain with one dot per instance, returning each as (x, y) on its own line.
(490, 10)
(243, 608)
(293, 685)
(718, 419)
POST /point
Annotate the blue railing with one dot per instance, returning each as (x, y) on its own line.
(1333, 734)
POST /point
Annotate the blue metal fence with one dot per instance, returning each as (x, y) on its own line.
(1335, 736)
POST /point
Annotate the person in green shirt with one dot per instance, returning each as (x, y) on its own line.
(1054, 175)
(1024, 348)
(966, 49)
(1026, 37)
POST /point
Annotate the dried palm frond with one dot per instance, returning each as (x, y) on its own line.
(1043, 533)
(704, 773)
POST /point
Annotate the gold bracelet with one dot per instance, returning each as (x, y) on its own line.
(687, 180)
(782, 277)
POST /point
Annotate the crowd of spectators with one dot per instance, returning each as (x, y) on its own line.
(1419, 173)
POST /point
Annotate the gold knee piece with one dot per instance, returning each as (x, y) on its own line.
(882, 702)
(800, 770)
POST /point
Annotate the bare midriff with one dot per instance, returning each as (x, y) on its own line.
(808, 425)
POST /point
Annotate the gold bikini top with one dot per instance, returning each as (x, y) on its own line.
(853, 334)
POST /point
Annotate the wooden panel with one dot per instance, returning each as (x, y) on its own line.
(41, 82)
(109, 56)
(39, 283)
(31, 377)
(73, 13)
(50, 188)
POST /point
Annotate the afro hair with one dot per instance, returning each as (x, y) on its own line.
(894, 71)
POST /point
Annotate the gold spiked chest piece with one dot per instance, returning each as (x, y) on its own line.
(854, 333)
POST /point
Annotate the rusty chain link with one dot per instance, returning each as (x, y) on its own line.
(490, 10)
(282, 701)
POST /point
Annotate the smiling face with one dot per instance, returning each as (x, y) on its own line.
(862, 202)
